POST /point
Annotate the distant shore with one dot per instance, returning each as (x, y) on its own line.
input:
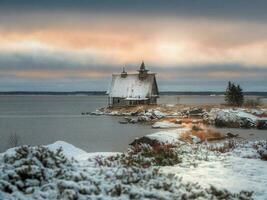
(213, 93)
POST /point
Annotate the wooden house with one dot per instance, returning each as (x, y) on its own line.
(128, 89)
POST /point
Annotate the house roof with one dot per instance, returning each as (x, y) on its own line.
(131, 86)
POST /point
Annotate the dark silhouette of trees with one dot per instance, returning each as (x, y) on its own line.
(234, 95)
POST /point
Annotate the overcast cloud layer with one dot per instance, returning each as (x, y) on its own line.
(76, 45)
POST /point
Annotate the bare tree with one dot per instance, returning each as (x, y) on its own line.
(13, 140)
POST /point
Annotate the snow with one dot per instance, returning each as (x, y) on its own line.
(101, 176)
(232, 114)
(131, 86)
(136, 99)
(68, 149)
(234, 174)
(166, 124)
(240, 169)
(233, 117)
(243, 114)
(168, 136)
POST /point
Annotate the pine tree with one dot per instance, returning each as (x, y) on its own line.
(239, 96)
(234, 95)
(227, 93)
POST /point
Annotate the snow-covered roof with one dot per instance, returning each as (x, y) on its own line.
(137, 99)
(131, 86)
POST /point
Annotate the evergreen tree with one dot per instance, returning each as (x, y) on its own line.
(234, 95)
(239, 96)
(227, 92)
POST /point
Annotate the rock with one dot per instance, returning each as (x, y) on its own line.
(134, 113)
(158, 114)
(247, 123)
(195, 139)
(136, 120)
(196, 111)
(97, 112)
(264, 155)
(133, 120)
(143, 119)
(123, 122)
(223, 123)
(144, 140)
(114, 113)
(262, 124)
(231, 135)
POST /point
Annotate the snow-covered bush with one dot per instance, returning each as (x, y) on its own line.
(31, 167)
(144, 155)
(42, 173)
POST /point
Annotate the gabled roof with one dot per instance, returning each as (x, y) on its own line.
(132, 87)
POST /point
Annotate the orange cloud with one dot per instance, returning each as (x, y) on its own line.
(170, 42)
(54, 74)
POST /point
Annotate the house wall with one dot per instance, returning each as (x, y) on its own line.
(116, 101)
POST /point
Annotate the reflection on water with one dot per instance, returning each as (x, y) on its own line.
(45, 119)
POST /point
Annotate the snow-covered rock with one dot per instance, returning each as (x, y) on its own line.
(159, 114)
(166, 124)
(195, 139)
(168, 136)
(97, 112)
(234, 118)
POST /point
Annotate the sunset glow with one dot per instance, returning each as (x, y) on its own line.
(45, 44)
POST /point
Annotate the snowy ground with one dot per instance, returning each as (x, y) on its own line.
(230, 172)
(143, 172)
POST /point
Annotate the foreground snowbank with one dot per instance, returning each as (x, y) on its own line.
(143, 172)
(237, 169)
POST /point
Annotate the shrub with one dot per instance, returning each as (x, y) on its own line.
(30, 167)
(252, 102)
(227, 146)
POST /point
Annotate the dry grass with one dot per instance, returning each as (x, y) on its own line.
(139, 108)
(203, 133)
(182, 120)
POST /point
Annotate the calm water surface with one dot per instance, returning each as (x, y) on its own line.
(46, 119)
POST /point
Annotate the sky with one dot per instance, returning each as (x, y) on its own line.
(75, 45)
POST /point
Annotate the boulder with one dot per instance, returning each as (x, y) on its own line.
(262, 124)
(158, 114)
(143, 119)
(145, 140)
(247, 123)
(123, 122)
(224, 123)
(231, 135)
(264, 155)
(195, 139)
